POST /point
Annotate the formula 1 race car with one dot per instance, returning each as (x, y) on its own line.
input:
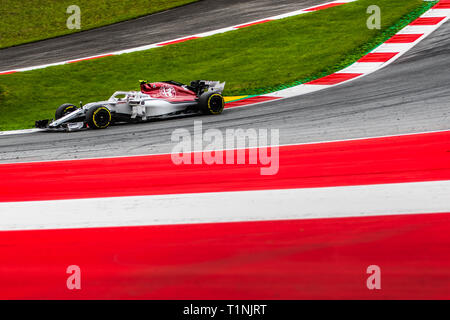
(158, 99)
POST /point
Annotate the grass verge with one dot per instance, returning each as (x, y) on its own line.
(252, 60)
(43, 19)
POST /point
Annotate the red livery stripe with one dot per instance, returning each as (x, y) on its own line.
(378, 57)
(335, 78)
(410, 158)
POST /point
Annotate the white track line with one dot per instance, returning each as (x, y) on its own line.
(357, 67)
(265, 146)
(24, 131)
(350, 201)
(159, 44)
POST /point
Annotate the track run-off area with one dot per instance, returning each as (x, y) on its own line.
(364, 179)
(156, 230)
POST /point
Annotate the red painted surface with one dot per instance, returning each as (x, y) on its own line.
(300, 259)
(253, 23)
(249, 101)
(378, 57)
(411, 158)
(92, 58)
(177, 41)
(428, 21)
(335, 78)
(404, 38)
(7, 72)
(325, 6)
(442, 5)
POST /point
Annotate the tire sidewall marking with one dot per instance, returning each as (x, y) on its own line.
(209, 103)
(97, 111)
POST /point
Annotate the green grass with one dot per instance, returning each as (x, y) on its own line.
(251, 60)
(32, 20)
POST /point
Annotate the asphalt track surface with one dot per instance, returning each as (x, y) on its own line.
(410, 95)
(202, 16)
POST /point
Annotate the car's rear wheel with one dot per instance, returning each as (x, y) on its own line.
(211, 103)
(98, 117)
(64, 110)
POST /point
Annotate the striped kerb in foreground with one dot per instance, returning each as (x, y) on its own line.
(397, 159)
(276, 259)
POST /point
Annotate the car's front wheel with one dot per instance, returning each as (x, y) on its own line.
(98, 117)
(64, 110)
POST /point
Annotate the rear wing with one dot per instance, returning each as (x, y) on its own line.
(214, 86)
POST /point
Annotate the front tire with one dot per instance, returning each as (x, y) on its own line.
(211, 103)
(64, 110)
(98, 117)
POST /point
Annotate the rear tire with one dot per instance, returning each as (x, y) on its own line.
(98, 117)
(211, 103)
(64, 110)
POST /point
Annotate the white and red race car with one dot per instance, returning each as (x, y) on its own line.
(157, 99)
